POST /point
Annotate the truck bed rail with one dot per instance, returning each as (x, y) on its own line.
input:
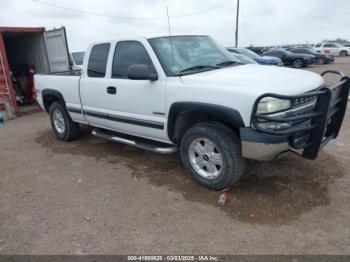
(64, 73)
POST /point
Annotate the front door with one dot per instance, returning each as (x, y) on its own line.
(124, 105)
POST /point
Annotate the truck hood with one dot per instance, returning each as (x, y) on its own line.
(256, 80)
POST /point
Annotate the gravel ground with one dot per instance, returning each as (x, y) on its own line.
(92, 196)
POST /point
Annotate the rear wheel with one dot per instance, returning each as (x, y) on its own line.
(343, 53)
(212, 154)
(298, 63)
(62, 125)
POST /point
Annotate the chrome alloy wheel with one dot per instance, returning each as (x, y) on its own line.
(58, 121)
(205, 158)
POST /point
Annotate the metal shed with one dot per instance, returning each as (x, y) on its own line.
(47, 51)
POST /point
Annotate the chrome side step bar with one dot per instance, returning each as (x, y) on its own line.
(137, 142)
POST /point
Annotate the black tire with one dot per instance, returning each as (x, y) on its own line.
(70, 130)
(343, 53)
(298, 63)
(320, 61)
(228, 145)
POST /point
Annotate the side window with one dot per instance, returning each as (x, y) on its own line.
(98, 60)
(329, 45)
(129, 53)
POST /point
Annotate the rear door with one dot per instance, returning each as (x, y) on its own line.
(57, 50)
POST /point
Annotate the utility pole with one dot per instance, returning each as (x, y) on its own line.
(237, 21)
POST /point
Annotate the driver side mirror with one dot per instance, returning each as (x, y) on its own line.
(141, 72)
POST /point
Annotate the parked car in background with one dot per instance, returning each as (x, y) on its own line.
(76, 60)
(244, 60)
(321, 59)
(200, 101)
(290, 47)
(334, 49)
(258, 50)
(263, 60)
(290, 59)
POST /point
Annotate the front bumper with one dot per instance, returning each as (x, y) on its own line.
(312, 123)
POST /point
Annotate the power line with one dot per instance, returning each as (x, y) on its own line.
(127, 17)
(202, 11)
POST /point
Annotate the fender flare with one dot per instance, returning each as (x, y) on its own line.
(55, 93)
(221, 113)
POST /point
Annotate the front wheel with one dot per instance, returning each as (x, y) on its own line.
(212, 154)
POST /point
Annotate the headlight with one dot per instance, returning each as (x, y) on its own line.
(270, 105)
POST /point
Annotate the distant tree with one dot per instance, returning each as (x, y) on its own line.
(338, 40)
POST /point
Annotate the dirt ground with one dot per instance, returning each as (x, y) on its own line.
(92, 196)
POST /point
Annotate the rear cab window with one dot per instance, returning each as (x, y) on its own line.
(98, 60)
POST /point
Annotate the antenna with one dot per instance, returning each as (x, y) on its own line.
(170, 36)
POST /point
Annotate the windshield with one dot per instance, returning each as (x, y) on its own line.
(247, 52)
(190, 54)
(78, 57)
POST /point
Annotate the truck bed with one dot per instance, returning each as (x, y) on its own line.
(65, 83)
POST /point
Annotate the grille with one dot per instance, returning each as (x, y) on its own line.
(303, 100)
(301, 113)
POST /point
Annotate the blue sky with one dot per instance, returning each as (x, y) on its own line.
(263, 22)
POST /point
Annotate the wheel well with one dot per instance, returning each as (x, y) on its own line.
(48, 100)
(50, 96)
(183, 115)
(185, 119)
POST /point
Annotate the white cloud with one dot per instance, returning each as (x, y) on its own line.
(263, 22)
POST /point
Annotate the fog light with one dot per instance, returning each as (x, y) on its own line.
(274, 125)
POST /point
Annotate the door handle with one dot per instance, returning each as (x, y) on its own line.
(111, 90)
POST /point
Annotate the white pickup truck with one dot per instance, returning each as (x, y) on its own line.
(188, 93)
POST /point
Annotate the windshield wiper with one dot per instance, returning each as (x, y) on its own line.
(198, 67)
(228, 63)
